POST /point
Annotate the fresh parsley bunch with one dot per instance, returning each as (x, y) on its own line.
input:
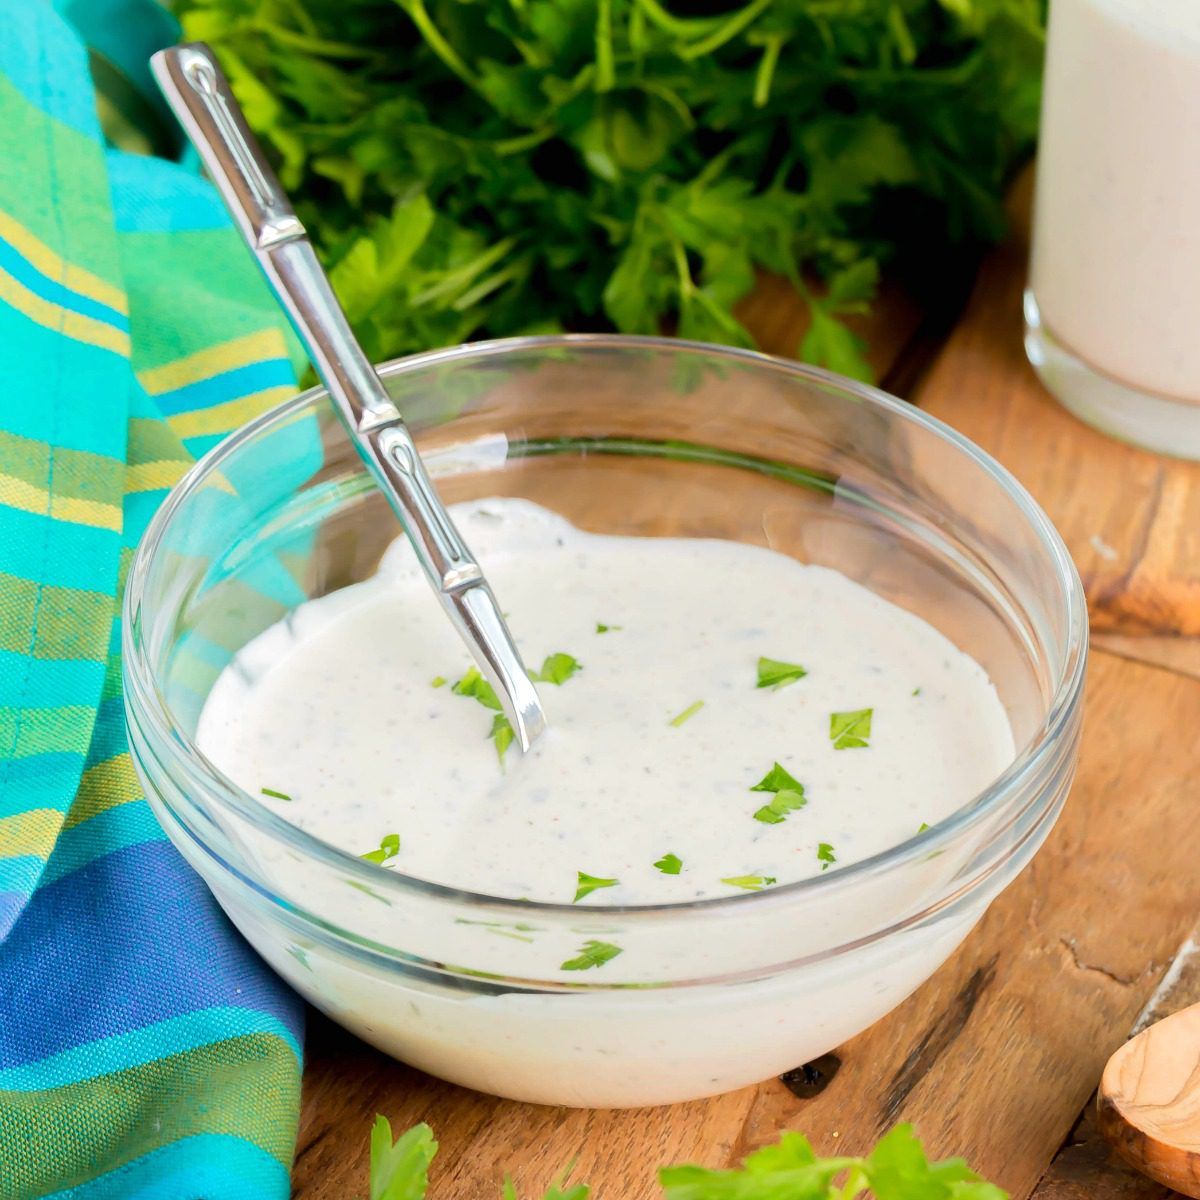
(499, 167)
(897, 1169)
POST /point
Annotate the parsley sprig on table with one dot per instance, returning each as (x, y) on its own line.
(790, 1169)
(504, 168)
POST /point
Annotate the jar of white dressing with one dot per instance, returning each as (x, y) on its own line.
(1113, 306)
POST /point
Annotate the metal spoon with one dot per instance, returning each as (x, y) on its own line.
(199, 93)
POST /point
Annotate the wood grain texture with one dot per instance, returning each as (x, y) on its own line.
(1087, 1167)
(993, 1058)
(1131, 519)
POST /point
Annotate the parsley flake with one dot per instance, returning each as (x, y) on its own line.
(591, 954)
(850, 730)
(438, 681)
(923, 826)
(778, 780)
(774, 674)
(826, 855)
(502, 734)
(368, 891)
(602, 628)
(389, 847)
(751, 883)
(587, 884)
(670, 864)
(557, 668)
(474, 685)
(781, 804)
(687, 714)
(274, 794)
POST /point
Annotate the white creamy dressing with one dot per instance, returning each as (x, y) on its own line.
(1116, 254)
(336, 708)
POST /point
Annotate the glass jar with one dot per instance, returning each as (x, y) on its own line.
(1113, 306)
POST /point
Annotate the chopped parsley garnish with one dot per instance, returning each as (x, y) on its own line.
(687, 714)
(850, 730)
(751, 883)
(591, 954)
(670, 864)
(788, 797)
(778, 780)
(923, 826)
(368, 891)
(474, 685)
(826, 855)
(502, 734)
(602, 628)
(775, 674)
(587, 884)
(389, 847)
(780, 805)
(517, 930)
(520, 925)
(557, 668)
(438, 681)
(274, 794)
(916, 691)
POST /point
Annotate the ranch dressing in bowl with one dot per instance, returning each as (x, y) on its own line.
(723, 719)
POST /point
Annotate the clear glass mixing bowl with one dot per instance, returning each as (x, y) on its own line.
(632, 436)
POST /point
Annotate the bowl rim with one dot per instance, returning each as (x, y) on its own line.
(144, 700)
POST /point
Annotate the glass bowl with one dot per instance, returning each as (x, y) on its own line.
(633, 436)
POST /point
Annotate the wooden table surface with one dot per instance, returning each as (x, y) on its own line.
(997, 1056)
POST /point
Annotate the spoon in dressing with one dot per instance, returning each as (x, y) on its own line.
(200, 96)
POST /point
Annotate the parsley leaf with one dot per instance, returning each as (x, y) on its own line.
(494, 169)
(751, 883)
(775, 674)
(502, 734)
(687, 714)
(602, 628)
(781, 804)
(923, 826)
(850, 730)
(474, 685)
(896, 1169)
(670, 864)
(274, 794)
(438, 681)
(591, 954)
(400, 1171)
(389, 847)
(825, 855)
(557, 669)
(778, 780)
(587, 884)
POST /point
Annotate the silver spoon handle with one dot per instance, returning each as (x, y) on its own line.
(198, 92)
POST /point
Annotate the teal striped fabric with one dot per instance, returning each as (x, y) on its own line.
(145, 1051)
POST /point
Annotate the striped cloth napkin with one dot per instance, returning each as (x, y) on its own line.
(145, 1051)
